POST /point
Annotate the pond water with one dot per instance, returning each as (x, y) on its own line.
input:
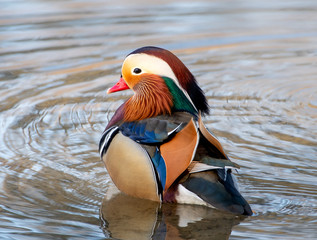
(256, 62)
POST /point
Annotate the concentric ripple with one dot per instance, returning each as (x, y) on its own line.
(256, 63)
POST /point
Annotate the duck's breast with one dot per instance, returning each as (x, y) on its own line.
(130, 168)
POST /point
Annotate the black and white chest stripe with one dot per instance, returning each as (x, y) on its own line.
(106, 139)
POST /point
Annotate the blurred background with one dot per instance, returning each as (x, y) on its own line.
(256, 62)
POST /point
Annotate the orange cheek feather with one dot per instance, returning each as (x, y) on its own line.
(120, 86)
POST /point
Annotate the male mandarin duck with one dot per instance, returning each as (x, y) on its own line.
(157, 147)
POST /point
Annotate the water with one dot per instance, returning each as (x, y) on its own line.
(257, 63)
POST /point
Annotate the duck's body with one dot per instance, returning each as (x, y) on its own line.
(156, 145)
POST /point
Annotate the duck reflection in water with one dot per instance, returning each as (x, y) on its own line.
(125, 217)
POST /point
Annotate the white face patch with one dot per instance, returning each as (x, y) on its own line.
(149, 64)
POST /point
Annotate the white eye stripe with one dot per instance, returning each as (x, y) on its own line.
(149, 64)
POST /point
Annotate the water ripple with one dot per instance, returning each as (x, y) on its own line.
(255, 61)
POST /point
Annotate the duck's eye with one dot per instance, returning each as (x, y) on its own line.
(137, 70)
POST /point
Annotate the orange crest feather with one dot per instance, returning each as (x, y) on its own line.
(151, 98)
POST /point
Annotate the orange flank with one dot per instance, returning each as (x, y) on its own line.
(178, 153)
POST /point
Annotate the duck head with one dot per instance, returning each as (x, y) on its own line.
(161, 84)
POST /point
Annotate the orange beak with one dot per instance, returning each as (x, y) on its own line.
(120, 85)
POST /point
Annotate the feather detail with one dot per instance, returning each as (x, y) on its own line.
(117, 117)
(180, 101)
(151, 98)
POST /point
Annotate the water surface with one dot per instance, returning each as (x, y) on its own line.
(257, 63)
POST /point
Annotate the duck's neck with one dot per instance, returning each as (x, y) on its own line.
(181, 101)
(152, 97)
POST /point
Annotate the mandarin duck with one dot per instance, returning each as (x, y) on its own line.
(156, 145)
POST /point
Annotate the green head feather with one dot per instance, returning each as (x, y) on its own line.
(181, 102)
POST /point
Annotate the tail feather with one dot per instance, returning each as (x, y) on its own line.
(220, 193)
